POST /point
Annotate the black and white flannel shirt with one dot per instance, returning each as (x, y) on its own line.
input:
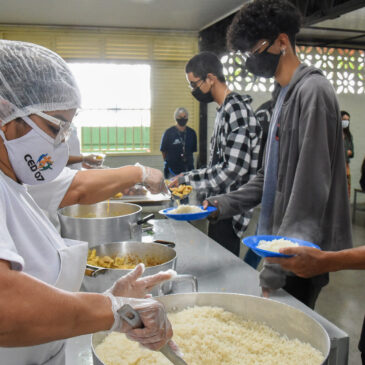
(234, 151)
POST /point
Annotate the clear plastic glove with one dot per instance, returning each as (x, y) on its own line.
(157, 329)
(93, 160)
(153, 179)
(134, 286)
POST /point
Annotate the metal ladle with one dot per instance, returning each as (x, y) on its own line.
(132, 317)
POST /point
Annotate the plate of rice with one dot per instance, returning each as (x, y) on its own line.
(187, 212)
(269, 246)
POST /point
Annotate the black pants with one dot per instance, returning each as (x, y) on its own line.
(362, 343)
(223, 233)
(305, 290)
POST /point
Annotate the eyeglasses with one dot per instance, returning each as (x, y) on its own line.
(241, 58)
(194, 84)
(62, 132)
(248, 54)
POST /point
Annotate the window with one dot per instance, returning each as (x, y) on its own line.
(115, 115)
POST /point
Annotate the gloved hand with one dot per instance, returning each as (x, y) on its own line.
(153, 179)
(93, 160)
(134, 286)
(157, 329)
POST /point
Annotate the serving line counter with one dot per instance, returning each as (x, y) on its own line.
(217, 270)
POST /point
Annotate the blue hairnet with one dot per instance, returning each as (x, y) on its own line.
(33, 79)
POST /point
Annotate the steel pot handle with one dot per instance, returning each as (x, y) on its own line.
(165, 243)
(179, 279)
(94, 271)
(146, 219)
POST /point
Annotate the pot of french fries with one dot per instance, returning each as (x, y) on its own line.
(107, 263)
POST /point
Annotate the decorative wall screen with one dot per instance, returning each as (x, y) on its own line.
(344, 68)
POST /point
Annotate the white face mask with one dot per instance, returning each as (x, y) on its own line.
(345, 123)
(34, 157)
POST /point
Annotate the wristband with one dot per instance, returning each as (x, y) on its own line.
(144, 172)
(115, 307)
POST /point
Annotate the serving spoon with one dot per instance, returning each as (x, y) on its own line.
(132, 317)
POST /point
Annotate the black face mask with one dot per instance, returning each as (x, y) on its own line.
(202, 97)
(182, 121)
(263, 64)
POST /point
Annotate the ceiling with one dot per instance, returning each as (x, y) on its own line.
(190, 15)
(347, 30)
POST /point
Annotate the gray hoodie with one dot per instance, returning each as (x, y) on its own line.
(311, 201)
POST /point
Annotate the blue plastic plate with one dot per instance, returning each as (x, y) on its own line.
(188, 216)
(253, 241)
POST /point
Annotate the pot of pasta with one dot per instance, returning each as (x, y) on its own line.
(107, 263)
(225, 329)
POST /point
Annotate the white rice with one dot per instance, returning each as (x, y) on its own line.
(183, 209)
(275, 245)
(213, 336)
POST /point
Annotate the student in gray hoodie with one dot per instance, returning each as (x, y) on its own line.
(302, 184)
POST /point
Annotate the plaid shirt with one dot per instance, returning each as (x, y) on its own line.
(234, 151)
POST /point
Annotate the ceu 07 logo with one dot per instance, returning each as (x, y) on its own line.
(43, 163)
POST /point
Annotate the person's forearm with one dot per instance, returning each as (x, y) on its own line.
(241, 200)
(75, 159)
(92, 186)
(351, 259)
(32, 312)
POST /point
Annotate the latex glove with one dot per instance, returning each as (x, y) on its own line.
(157, 329)
(153, 179)
(134, 286)
(92, 160)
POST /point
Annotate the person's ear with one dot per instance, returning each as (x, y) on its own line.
(284, 43)
(211, 78)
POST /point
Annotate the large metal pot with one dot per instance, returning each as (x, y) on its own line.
(93, 224)
(281, 317)
(100, 279)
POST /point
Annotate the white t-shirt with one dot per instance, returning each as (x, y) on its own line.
(49, 196)
(74, 147)
(28, 240)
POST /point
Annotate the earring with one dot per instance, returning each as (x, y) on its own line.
(283, 51)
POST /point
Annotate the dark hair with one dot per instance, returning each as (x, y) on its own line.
(346, 131)
(344, 112)
(204, 63)
(263, 19)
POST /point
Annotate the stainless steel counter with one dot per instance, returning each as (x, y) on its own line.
(217, 270)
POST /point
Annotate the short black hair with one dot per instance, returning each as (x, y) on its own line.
(263, 19)
(344, 112)
(204, 63)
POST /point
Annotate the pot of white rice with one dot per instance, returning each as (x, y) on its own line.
(226, 329)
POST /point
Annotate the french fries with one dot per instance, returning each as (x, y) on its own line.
(181, 191)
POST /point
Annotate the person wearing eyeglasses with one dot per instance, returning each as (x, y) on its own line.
(40, 272)
(302, 186)
(235, 144)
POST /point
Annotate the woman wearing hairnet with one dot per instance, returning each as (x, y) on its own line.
(39, 271)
